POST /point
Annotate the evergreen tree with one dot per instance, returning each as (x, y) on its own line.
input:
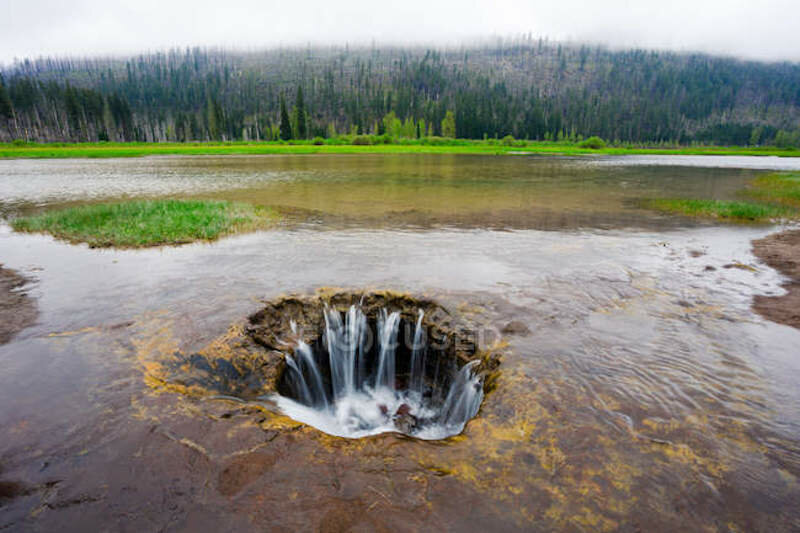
(300, 109)
(212, 119)
(73, 108)
(286, 127)
(6, 109)
(552, 92)
(108, 121)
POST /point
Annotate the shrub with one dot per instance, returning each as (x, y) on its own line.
(318, 141)
(362, 140)
(437, 141)
(508, 140)
(593, 143)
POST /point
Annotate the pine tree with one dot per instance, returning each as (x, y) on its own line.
(286, 127)
(6, 109)
(211, 118)
(648, 99)
(73, 108)
(300, 109)
(108, 121)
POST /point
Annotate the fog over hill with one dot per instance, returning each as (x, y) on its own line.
(764, 30)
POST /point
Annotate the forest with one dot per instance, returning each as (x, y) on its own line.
(524, 87)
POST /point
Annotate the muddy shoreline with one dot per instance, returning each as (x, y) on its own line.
(17, 309)
(781, 251)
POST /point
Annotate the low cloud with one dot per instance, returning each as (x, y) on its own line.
(759, 30)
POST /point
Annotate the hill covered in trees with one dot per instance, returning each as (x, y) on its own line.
(529, 88)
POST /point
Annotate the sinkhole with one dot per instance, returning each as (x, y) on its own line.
(366, 364)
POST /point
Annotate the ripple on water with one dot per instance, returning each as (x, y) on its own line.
(642, 377)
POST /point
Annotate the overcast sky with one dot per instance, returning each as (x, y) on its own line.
(760, 29)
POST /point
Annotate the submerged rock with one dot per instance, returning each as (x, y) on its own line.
(405, 423)
(515, 327)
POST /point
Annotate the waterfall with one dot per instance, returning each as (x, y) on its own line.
(387, 339)
(299, 382)
(308, 369)
(418, 357)
(344, 344)
(355, 389)
(463, 399)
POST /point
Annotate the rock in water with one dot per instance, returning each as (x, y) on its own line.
(515, 327)
(405, 423)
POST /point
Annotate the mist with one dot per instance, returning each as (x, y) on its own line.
(764, 30)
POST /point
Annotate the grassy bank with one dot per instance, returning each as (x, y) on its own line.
(346, 146)
(148, 222)
(770, 197)
(780, 188)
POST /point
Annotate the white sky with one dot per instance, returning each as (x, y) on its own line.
(760, 29)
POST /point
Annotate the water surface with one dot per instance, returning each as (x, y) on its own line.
(394, 190)
(646, 394)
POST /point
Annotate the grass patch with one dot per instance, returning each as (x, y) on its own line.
(429, 145)
(769, 197)
(735, 211)
(781, 188)
(148, 222)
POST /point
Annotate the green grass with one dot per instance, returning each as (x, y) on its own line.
(737, 211)
(340, 146)
(770, 197)
(782, 188)
(142, 223)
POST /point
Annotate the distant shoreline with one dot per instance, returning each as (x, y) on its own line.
(453, 146)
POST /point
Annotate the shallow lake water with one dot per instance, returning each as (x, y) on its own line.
(642, 394)
(394, 191)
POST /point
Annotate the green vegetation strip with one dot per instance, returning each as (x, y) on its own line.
(148, 222)
(368, 144)
(770, 197)
(780, 188)
(742, 211)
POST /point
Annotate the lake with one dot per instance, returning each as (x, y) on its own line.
(642, 393)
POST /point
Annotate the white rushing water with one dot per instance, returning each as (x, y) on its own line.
(364, 394)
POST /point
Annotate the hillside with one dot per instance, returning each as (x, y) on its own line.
(524, 87)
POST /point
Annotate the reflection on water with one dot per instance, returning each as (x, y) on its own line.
(645, 394)
(375, 190)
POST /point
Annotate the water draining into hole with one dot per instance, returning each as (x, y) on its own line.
(365, 376)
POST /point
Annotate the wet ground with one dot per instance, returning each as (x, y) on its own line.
(638, 391)
(17, 310)
(781, 251)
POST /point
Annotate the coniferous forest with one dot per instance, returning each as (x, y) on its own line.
(525, 87)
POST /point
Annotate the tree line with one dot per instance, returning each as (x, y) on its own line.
(524, 87)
